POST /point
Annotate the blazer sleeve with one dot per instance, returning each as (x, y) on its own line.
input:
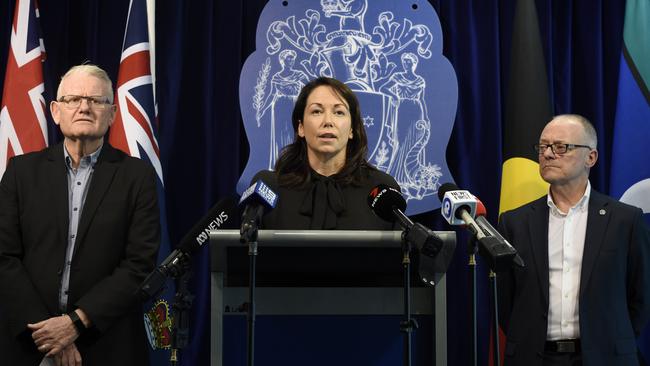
(17, 292)
(638, 275)
(115, 295)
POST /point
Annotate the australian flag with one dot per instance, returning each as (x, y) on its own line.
(134, 132)
(23, 126)
(630, 179)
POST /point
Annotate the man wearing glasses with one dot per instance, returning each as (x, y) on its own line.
(79, 231)
(583, 296)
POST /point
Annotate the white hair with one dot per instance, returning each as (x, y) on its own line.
(92, 70)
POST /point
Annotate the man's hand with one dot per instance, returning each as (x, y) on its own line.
(69, 356)
(52, 335)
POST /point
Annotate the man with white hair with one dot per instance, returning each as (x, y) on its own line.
(79, 231)
(583, 296)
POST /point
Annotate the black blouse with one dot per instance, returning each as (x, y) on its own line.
(325, 203)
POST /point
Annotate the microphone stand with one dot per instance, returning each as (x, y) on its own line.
(412, 234)
(175, 266)
(485, 241)
(181, 316)
(495, 318)
(248, 235)
(472, 249)
(407, 325)
(252, 254)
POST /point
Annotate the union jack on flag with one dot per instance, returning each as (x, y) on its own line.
(23, 126)
(134, 131)
(135, 128)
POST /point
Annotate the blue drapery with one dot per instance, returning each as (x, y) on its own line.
(201, 45)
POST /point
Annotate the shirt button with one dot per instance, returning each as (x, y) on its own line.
(78, 183)
(75, 209)
(68, 262)
(72, 236)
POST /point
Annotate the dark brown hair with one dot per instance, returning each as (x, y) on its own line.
(293, 167)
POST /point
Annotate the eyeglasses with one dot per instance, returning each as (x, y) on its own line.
(94, 102)
(557, 148)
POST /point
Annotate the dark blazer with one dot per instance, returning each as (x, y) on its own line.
(614, 302)
(296, 207)
(116, 247)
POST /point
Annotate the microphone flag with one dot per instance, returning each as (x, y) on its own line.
(454, 199)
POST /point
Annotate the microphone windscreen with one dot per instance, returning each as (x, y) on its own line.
(480, 208)
(446, 188)
(221, 213)
(383, 199)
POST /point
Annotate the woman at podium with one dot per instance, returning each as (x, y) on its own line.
(323, 178)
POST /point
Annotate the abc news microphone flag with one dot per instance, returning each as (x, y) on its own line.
(630, 175)
(23, 126)
(528, 109)
(134, 132)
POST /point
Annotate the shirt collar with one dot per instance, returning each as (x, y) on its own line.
(89, 160)
(581, 205)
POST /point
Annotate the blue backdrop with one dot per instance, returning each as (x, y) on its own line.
(201, 46)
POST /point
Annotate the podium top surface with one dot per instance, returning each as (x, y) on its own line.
(321, 238)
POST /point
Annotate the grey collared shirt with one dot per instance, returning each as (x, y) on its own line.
(78, 183)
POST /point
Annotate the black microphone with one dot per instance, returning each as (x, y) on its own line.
(489, 230)
(178, 260)
(389, 204)
(499, 254)
(255, 199)
(435, 254)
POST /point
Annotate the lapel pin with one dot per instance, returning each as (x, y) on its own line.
(602, 212)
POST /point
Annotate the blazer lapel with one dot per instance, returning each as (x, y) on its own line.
(103, 173)
(59, 186)
(597, 220)
(538, 226)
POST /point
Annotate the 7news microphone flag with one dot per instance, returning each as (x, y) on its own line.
(23, 126)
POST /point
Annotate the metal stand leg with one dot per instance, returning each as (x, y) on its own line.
(495, 318)
(181, 316)
(472, 249)
(408, 324)
(252, 254)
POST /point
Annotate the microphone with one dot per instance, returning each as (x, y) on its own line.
(255, 200)
(389, 204)
(435, 254)
(489, 230)
(459, 207)
(178, 260)
(456, 204)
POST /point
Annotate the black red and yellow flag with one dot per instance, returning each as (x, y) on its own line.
(527, 110)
